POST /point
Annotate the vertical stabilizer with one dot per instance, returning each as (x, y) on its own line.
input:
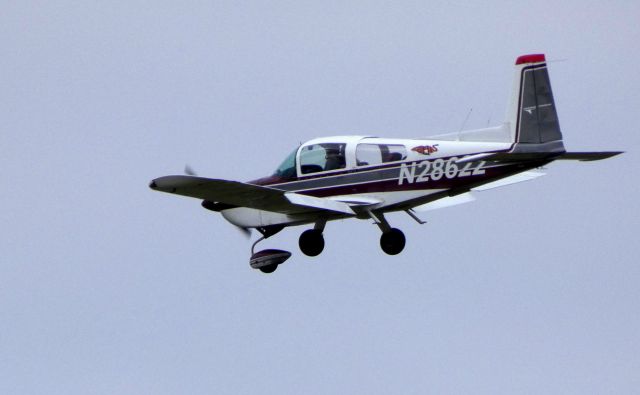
(532, 117)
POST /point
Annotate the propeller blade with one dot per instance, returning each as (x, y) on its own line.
(189, 171)
(245, 231)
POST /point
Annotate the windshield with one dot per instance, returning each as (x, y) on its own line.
(287, 169)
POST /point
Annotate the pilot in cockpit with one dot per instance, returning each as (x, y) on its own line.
(335, 160)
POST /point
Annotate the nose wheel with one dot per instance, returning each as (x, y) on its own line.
(267, 261)
(268, 269)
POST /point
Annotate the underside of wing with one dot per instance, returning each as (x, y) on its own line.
(446, 201)
(514, 179)
(319, 203)
(232, 193)
(451, 198)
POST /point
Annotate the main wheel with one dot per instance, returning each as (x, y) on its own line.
(393, 241)
(311, 242)
(268, 269)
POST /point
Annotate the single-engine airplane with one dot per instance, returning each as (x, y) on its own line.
(366, 177)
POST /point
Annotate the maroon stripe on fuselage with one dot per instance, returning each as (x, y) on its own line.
(393, 185)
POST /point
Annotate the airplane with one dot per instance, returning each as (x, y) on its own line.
(366, 177)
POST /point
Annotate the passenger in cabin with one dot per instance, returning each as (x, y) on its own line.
(335, 160)
(392, 157)
(388, 155)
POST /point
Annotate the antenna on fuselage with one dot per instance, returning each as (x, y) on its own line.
(464, 123)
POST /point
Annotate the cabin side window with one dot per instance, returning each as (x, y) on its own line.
(375, 154)
(322, 157)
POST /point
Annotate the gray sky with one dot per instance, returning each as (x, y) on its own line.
(107, 287)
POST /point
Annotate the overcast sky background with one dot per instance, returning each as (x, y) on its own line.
(107, 287)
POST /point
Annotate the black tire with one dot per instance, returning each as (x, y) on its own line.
(393, 241)
(311, 242)
(268, 269)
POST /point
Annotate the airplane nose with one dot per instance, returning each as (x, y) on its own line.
(153, 185)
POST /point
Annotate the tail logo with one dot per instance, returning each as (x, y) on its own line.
(531, 109)
(425, 149)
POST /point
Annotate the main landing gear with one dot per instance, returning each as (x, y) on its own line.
(311, 241)
(392, 240)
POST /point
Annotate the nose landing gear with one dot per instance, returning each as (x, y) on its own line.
(267, 261)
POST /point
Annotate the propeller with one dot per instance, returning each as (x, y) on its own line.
(188, 170)
(245, 231)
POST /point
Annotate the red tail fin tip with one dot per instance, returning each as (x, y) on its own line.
(533, 58)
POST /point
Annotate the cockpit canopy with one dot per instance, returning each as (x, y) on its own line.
(339, 153)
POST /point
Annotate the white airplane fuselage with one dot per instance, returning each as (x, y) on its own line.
(428, 166)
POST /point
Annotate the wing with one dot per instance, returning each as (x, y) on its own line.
(241, 194)
(514, 179)
(447, 199)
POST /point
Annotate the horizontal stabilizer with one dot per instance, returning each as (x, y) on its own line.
(522, 156)
(544, 156)
(589, 156)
